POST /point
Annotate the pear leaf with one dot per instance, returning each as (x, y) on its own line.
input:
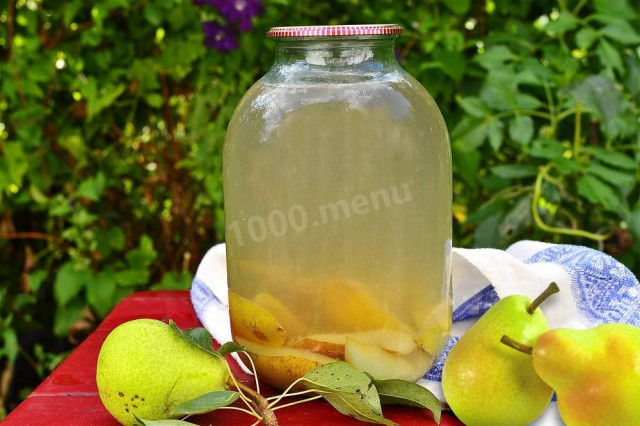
(352, 405)
(197, 336)
(167, 422)
(343, 377)
(348, 390)
(402, 392)
(230, 347)
(205, 403)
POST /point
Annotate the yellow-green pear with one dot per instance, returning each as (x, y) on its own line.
(595, 373)
(145, 367)
(487, 383)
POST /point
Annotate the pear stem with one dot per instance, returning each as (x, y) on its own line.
(552, 289)
(313, 398)
(516, 345)
(285, 393)
(260, 404)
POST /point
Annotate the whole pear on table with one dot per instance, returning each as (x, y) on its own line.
(595, 373)
(487, 383)
(145, 367)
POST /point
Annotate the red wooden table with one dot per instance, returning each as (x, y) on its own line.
(69, 395)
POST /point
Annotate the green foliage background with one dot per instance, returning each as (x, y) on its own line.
(110, 167)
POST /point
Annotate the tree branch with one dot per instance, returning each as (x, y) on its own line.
(31, 235)
(168, 118)
(14, 69)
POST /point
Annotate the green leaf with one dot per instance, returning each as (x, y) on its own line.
(547, 148)
(14, 162)
(524, 101)
(70, 10)
(80, 218)
(174, 280)
(500, 89)
(70, 279)
(517, 218)
(566, 166)
(353, 405)
(612, 158)
(495, 133)
(101, 291)
(154, 100)
(348, 390)
(563, 23)
(621, 32)
(205, 403)
(601, 95)
(485, 234)
(466, 164)
(494, 57)
(37, 195)
(10, 346)
(585, 37)
(110, 239)
(144, 255)
(229, 347)
(598, 192)
(459, 7)
(402, 392)
(473, 106)
(344, 377)
(521, 129)
(132, 277)
(514, 171)
(196, 336)
(76, 147)
(166, 422)
(453, 63)
(92, 187)
(104, 98)
(614, 177)
(615, 8)
(609, 56)
(154, 14)
(470, 134)
(35, 279)
(66, 316)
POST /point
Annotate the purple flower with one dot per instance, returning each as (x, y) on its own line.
(239, 12)
(219, 37)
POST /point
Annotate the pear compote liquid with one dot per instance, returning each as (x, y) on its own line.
(337, 181)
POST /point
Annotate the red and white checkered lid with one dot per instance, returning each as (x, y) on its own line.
(335, 31)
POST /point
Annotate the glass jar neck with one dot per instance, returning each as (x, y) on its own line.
(373, 52)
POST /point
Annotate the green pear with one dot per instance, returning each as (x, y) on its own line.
(595, 373)
(489, 384)
(145, 367)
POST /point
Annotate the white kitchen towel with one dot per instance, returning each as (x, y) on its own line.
(594, 289)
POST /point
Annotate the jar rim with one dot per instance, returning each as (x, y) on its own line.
(332, 31)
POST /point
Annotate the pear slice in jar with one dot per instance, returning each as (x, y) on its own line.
(384, 364)
(436, 326)
(324, 345)
(254, 322)
(282, 313)
(349, 307)
(280, 366)
(433, 341)
(332, 345)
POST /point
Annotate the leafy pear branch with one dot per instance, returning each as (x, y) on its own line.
(347, 389)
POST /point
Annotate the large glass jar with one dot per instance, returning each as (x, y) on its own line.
(337, 183)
